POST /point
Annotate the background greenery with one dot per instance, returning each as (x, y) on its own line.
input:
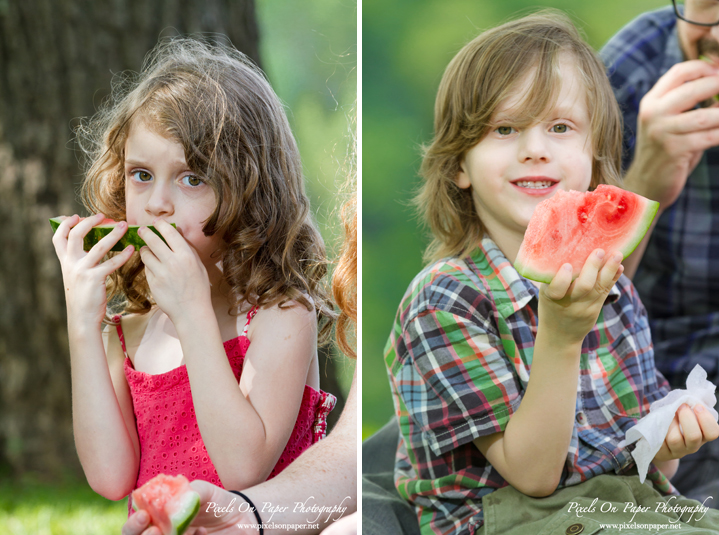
(309, 52)
(406, 44)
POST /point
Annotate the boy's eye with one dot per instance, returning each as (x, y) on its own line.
(504, 130)
(142, 176)
(192, 180)
(560, 128)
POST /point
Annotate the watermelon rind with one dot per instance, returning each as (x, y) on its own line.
(631, 243)
(100, 231)
(187, 509)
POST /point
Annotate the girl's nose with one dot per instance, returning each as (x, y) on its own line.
(533, 145)
(160, 201)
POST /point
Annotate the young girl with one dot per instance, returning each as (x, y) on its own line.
(507, 391)
(234, 293)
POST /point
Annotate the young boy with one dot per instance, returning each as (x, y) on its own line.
(507, 391)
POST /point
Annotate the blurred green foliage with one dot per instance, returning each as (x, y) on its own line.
(33, 507)
(406, 44)
(309, 52)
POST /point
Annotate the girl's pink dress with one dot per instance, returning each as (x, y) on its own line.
(170, 441)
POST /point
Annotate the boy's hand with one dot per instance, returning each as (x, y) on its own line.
(84, 273)
(570, 309)
(177, 278)
(688, 432)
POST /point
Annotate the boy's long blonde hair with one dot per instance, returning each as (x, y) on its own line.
(480, 77)
(212, 100)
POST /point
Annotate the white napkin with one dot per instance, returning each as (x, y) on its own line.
(651, 430)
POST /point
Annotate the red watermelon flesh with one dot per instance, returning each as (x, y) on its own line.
(570, 225)
(170, 502)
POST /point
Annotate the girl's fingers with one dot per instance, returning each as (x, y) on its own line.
(111, 265)
(174, 239)
(102, 247)
(59, 239)
(79, 231)
(557, 289)
(148, 257)
(155, 244)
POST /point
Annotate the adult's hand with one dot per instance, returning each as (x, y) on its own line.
(672, 135)
(221, 513)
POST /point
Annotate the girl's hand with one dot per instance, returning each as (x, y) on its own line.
(570, 309)
(83, 273)
(175, 273)
(688, 432)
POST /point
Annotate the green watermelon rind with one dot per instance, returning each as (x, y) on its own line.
(97, 233)
(183, 517)
(642, 226)
(188, 505)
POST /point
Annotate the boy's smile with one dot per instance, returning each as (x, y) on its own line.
(536, 185)
(514, 168)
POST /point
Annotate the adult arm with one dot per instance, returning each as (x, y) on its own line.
(324, 475)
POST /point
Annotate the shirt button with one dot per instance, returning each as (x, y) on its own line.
(581, 420)
(574, 529)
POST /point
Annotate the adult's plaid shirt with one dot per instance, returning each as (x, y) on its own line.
(678, 278)
(459, 359)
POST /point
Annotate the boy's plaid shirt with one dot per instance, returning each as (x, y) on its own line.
(459, 359)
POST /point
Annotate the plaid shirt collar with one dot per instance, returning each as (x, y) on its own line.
(509, 290)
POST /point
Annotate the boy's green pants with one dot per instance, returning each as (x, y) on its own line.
(593, 507)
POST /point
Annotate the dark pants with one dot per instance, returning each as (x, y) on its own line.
(383, 510)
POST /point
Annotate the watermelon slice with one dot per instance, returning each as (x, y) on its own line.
(570, 225)
(104, 228)
(170, 502)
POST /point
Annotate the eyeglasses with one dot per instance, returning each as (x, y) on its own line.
(699, 12)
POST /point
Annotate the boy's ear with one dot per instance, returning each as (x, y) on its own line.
(462, 180)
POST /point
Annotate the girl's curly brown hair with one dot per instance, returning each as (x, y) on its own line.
(219, 106)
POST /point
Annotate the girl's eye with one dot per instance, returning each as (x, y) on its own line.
(192, 180)
(560, 128)
(142, 176)
(504, 130)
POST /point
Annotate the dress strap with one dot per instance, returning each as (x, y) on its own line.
(117, 320)
(250, 314)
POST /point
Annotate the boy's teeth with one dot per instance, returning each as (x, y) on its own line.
(534, 184)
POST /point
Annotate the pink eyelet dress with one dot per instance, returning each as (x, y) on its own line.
(170, 441)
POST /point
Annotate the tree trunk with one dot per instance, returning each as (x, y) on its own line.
(56, 63)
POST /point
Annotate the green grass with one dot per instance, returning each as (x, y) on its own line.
(32, 507)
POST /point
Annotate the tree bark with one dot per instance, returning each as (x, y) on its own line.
(56, 64)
